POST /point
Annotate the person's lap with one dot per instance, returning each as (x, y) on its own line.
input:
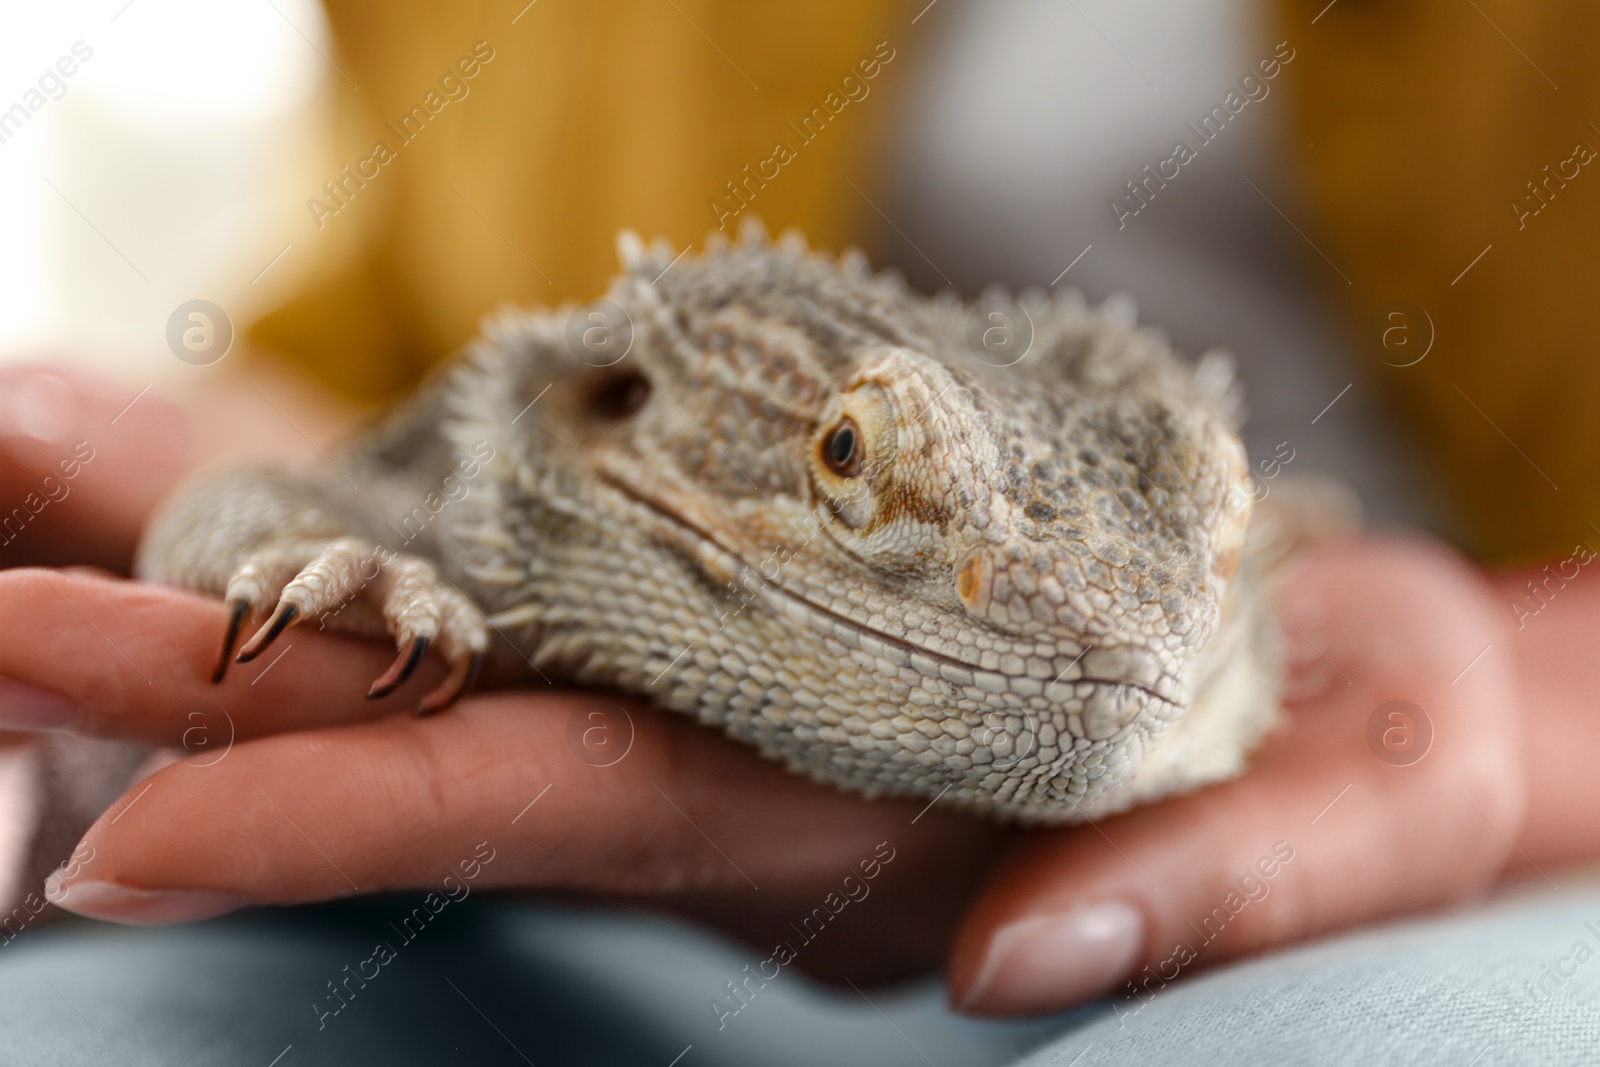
(488, 982)
(482, 982)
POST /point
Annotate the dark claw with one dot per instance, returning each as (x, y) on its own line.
(401, 670)
(235, 621)
(474, 668)
(432, 704)
(268, 634)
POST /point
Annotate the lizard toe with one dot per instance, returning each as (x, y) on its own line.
(236, 614)
(312, 579)
(268, 633)
(400, 671)
(422, 611)
(464, 672)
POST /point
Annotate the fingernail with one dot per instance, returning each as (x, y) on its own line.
(27, 707)
(1055, 961)
(138, 907)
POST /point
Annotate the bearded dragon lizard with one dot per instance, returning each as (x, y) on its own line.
(771, 489)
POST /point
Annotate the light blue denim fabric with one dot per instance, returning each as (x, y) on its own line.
(1516, 982)
(501, 982)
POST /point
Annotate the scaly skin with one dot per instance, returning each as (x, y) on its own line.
(812, 509)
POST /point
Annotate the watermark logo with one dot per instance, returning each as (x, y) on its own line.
(599, 333)
(208, 733)
(1405, 334)
(1399, 733)
(199, 332)
(1009, 739)
(600, 737)
(999, 332)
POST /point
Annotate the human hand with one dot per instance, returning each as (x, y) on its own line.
(83, 460)
(1334, 824)
(292, 787)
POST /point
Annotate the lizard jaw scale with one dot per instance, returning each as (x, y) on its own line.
(708, 550)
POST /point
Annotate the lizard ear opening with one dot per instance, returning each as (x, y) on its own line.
(618, 396)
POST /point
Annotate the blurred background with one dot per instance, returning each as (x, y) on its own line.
(170, 165)
(176, 164)
(1376, 173)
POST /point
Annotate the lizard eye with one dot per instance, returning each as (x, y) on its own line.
(851, 455)
(841, 449)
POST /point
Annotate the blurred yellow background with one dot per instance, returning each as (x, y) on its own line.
(184, 156)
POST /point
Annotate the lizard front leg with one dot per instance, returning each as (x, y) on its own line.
(281, 550)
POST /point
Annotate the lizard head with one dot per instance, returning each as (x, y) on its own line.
(868, 538)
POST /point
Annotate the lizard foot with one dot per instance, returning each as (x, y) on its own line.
(320, 578)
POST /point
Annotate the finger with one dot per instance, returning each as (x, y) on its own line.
(404, 802)
(82, 462)
(1561, 733)
(1319, 834)
(111, 658)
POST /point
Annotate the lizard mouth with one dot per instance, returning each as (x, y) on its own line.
(851, 630)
